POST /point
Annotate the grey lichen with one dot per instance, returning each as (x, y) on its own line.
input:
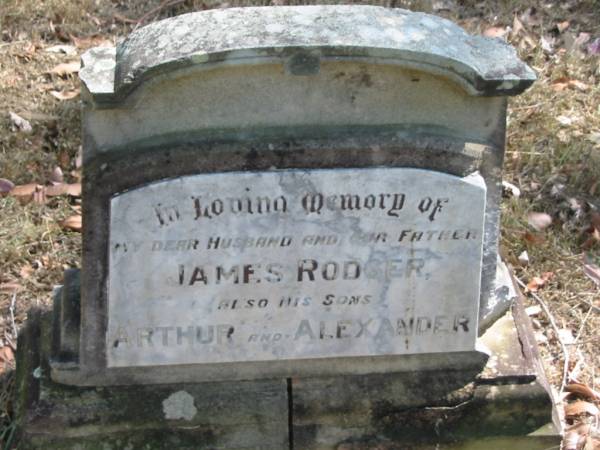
(179, 405)
(258, 35)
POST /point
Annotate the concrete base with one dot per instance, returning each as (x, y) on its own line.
(507, 405)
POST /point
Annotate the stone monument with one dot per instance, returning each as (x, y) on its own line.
(290, 241)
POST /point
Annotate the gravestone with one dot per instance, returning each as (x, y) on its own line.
(290, 217)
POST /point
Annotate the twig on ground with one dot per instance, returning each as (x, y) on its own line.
(8, 44)
(565, 351)
(12, 314)
(123, 19)
(522, 108)
(582, 326)
(587, 341)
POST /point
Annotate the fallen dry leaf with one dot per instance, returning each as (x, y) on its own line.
(26, 271)
(95, 40)
(538, 282)
(539, 221)
(76, 174)
(583, 391)
(533, 310)
(594, 232)
(575, 436)
(5, 186)
(581, 39)
(593, 48)
(524, 258)
(509, 189)
(24, 190)
(540, 337)
(567, 120)
(64, 69)
(562, 83)
(579, 85)
(19, 123)
(27, 192)
(7, 358)
(534, 238)
(10, 287)
(580, 407)
(547, 44)
(517, 26)
(57, 175)
(65, 95)
(66, 49)
(74, 190)
(562, 26)
(72, 223)
(496, 32)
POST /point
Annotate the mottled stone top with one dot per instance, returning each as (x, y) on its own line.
(483, 66)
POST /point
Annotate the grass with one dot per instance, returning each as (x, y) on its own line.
(551, 153)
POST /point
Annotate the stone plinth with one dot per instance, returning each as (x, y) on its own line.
(507, 405)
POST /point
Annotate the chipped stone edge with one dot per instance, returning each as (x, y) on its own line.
(101, 84)
(500, 300)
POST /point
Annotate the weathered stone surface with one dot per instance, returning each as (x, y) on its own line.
(288, 265)
(108, 176)
(231, 416)
(251, 96)
(63, 369)
(506, 406)
(261, 35)
(272, 110)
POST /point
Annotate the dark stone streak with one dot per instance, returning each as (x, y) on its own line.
(109, 174)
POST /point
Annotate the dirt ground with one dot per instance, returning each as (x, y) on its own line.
(551, 211)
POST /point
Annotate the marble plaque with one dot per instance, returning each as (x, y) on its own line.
(294, 264)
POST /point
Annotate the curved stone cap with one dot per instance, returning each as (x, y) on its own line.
(257, 35)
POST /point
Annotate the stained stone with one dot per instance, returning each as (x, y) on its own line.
(296, 264)
(360, 91)
(506, 406)
(244, 36)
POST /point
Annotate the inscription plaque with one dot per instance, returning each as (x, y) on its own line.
(294, 264)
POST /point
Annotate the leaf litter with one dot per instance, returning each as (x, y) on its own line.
(562, 45)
